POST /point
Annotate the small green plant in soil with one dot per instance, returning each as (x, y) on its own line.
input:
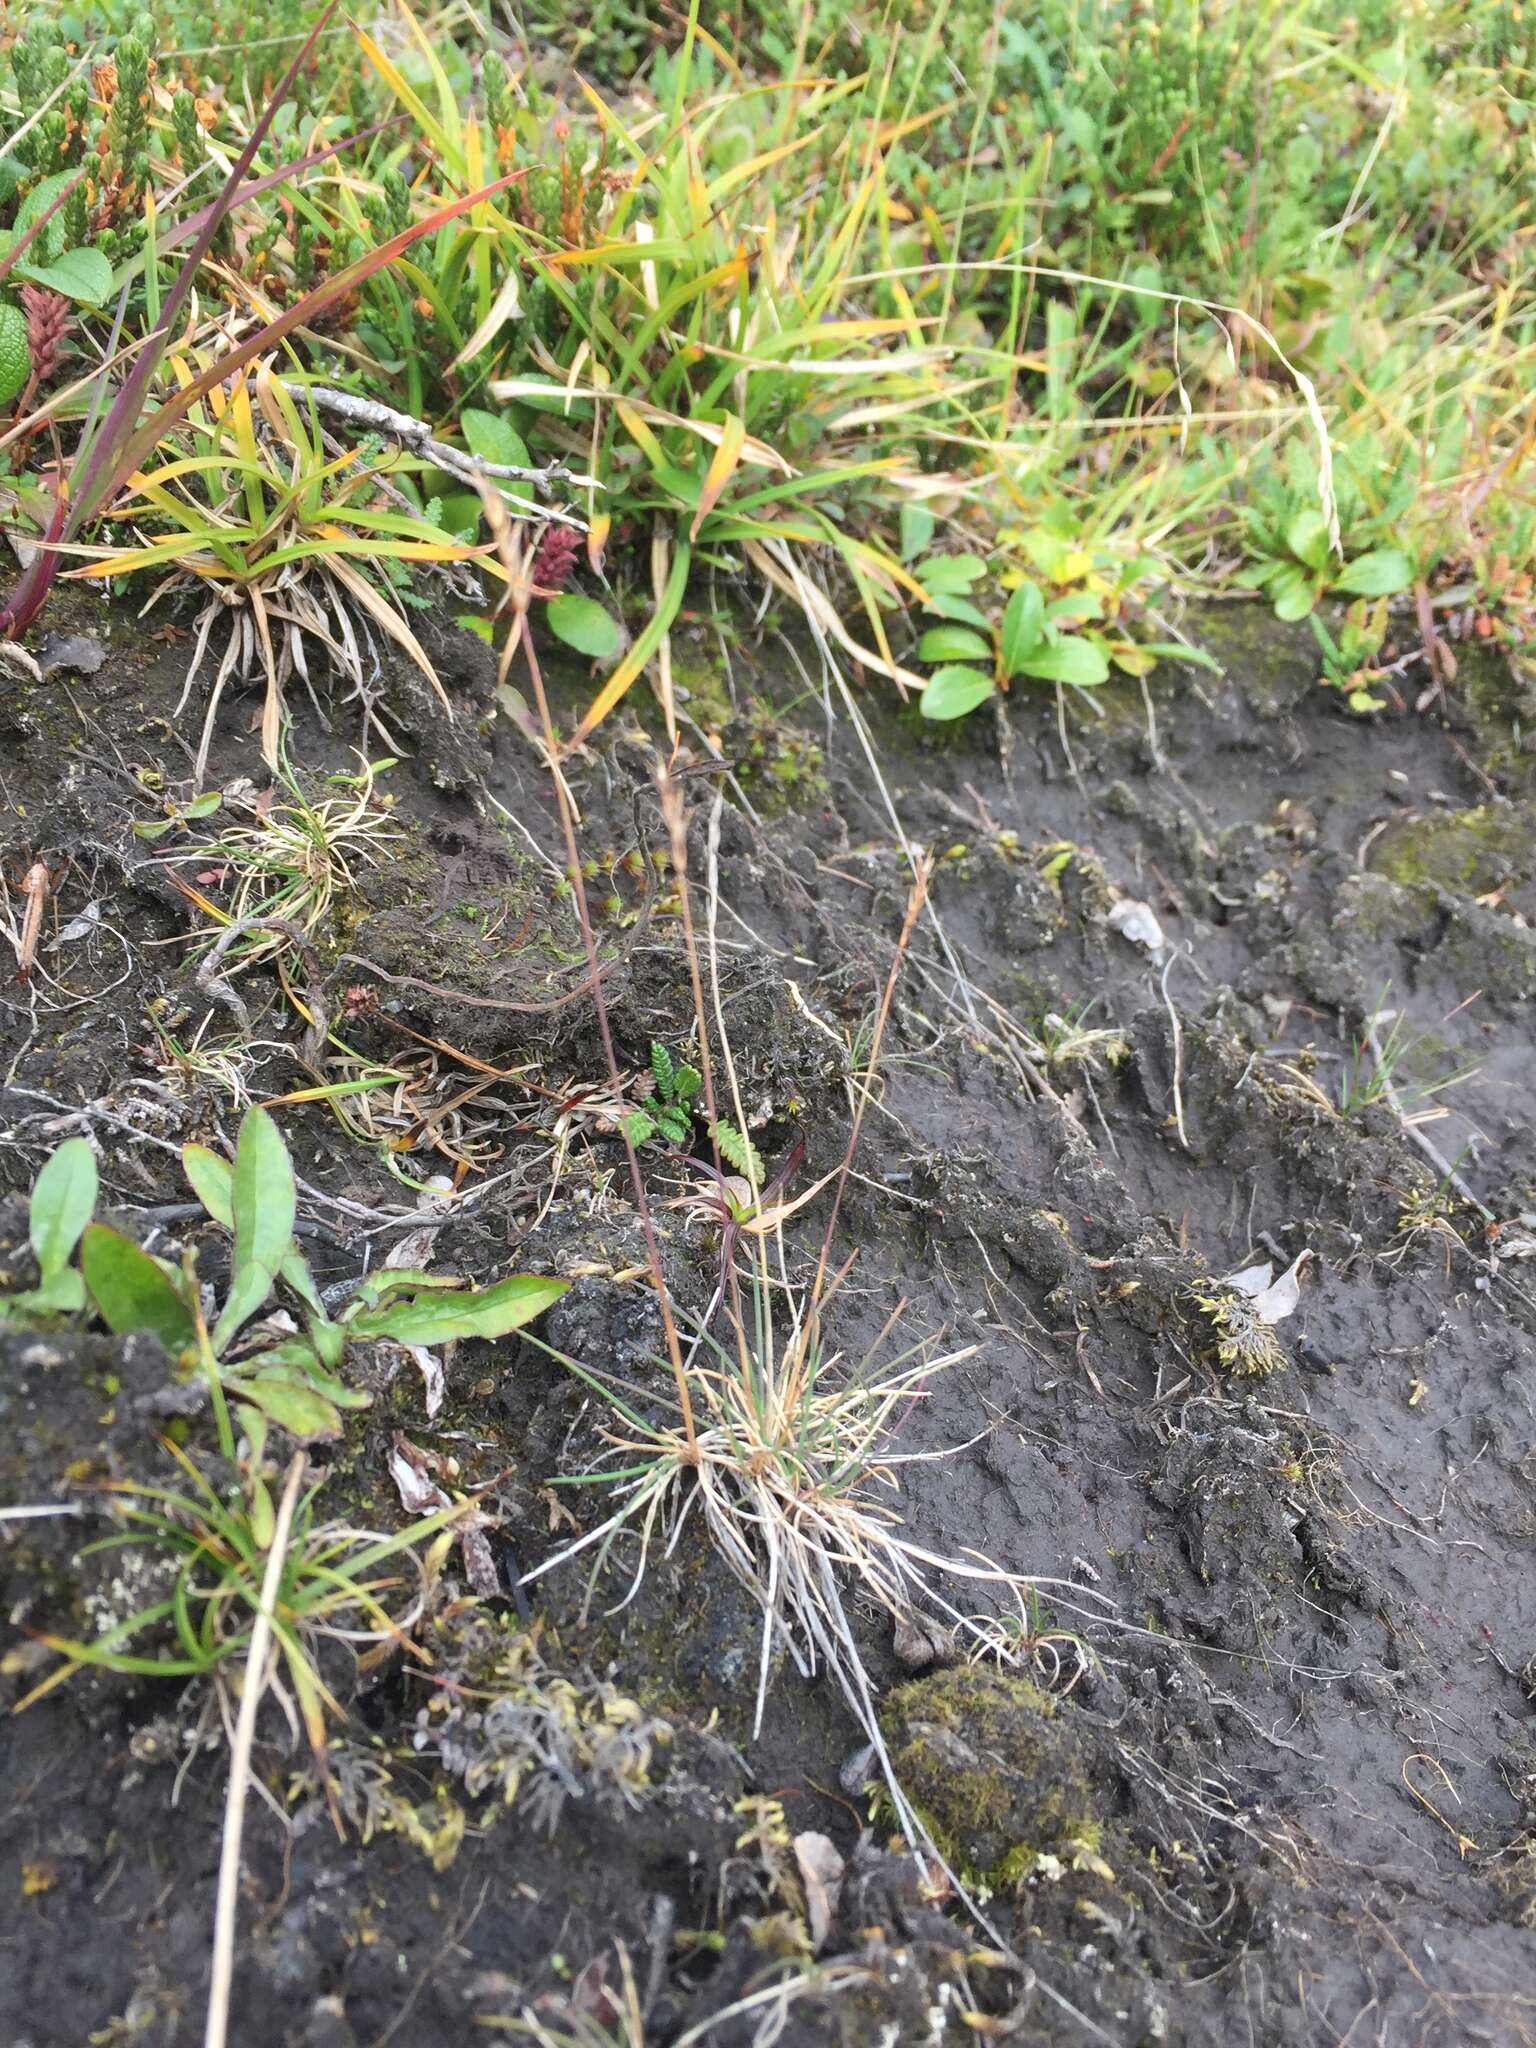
(1064, 1039)
(1061, 624)
(292, 1380)
(212, 1549)
(1348, 659)
(1294, 564)
(668, 1113)
(1377, 1070)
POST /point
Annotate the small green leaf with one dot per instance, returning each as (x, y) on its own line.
(582, 623)
(292, 1405)
(959, 608)
(60, 1294)
(737, 1149)
(686, 1082)
(951, 692)
(213, 1182)
(1306, 535)
(15, 356)
(1291, 593)
(1382, 573)
(917, 524)
(1078, 661)
(1023, 626)
(264, 1202)
(493, 438)
(639, 1127)
(132, 1290)
(295, 1356)
(488, 1312)
(661, 1068)
(63, 1197)
(1079, 605)
(948, 575)
(83, 274)
(953, 643)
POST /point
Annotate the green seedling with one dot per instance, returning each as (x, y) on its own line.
(332, 1580)
(1295, 567)
(1348, 660)
(291, 1380)
(63, 1197)
(668, 1110)
(1060, 625)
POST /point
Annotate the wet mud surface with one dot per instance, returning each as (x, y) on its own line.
(1258, 1763)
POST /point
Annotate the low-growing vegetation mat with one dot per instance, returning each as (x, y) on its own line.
(767, 1199)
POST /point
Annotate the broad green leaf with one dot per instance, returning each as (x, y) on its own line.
(1078, 661)
(951, 692)
(490, 1312)
(1291, 593)
(213, 1182)
(83, 274)
(15, 356)
(948, 575)
(1306, 535)
(917, 524)
(292, 1356)
(1080, 605)
(383, 1285)
(1023, 626)
(1382, 573)
(493, 437)
(59, 1294)
(959, 608)
(132, 1290)
(953, 643)
(63, 1197)
(292, 1405)
(582, 623)
(264, 1201)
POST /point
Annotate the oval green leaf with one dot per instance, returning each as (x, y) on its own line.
(293, 1406)
(63, 1197)
(953, 643)
(438, 1319)
(582, 623)
(959, 608)
(493, 438)
(132, 1290)
(83, 274)
(951, 692)
(1082, 662)
(264, 1201)
(1023, 626)
(213, 1182)
(1382, 573)
(15, 356)
(1306, 535)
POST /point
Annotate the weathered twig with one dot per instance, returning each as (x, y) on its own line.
(416, 435)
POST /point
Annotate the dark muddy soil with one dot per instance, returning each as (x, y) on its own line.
(1260, 1764)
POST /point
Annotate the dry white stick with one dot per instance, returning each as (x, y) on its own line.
(222, 1972)
(416, 435)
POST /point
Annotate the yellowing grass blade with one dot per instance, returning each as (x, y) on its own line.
(668, 604)
(733, 437)
(359, 588)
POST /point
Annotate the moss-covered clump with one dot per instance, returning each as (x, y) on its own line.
(998, 1776)
(1476, 851)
